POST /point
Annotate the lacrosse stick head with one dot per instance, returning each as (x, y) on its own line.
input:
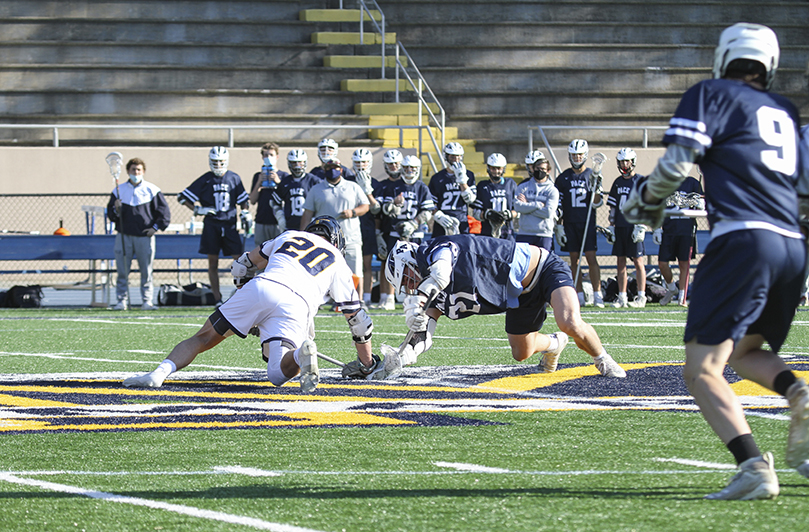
(598, 162)
(115, 161)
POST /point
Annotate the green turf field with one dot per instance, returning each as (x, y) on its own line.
(466, 440)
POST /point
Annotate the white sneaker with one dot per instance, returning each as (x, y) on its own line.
(147, 380)
(147, 305)
(121, 305)
(609, 367)
(666, 299)
(390, 304)
(550, 359)
(756, 479)
(598, 300)
(310, 374)
(798, 440)
(620, 303)
(638, 302)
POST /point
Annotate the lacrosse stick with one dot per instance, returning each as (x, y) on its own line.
(115, 160)
(388, 350)
(330, 359)
(690, 213)
(598, 162)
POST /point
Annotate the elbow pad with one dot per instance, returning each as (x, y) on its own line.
(362, 327)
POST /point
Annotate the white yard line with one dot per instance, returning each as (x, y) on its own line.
(249, 471)
(696, 463)
(472, 468)
(157, 505)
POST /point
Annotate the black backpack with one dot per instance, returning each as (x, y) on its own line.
(22, 297)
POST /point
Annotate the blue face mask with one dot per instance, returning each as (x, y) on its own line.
(135, 179)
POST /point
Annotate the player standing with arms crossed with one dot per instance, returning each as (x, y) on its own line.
(747, 286)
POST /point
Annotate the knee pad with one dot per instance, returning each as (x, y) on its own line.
(275, 350)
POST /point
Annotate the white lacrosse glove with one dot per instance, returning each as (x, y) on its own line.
(364, 181)
(638, 233)
(637, 211)
(561, 238)
(443, 220)
(460, 172)
(657, 236)
(391, 209)
(415, 316)
(608, 233)
(406, 229)
(199, 210)
(243, 269)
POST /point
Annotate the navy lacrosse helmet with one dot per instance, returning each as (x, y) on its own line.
(328, 228)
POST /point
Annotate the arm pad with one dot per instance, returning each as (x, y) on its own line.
(361, 326)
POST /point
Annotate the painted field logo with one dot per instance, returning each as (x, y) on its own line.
(429, 396)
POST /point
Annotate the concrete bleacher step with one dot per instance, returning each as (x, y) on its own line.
(339, 15)
(347, 37)
(360, 61)
(374, 85)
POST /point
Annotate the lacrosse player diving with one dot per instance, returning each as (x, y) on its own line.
(748, 284)
(282, 284)
(462, 275)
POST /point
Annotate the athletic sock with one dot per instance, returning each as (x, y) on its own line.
(641, 293)
(166, 368)
(783, 381)
(601, 356)
(581, 297)
(671, 287)
(366, 298)
(622, 296)
(553, 345)
(681, 295)
(383, 298)
(743, 448)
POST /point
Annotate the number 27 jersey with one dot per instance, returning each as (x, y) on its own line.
(310, 267)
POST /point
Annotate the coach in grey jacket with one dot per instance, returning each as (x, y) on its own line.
(536, 199)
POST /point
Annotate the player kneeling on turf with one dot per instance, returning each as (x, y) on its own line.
(462, 275)
(281, 285)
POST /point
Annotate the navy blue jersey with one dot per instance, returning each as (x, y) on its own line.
(447, 194)
(266, 199)
(746, 140)
(417, 198)
(574, 196)
(480, 274)
(682, 225)
(497, 196)
(222, 193)
(619, 192)
(293, 193)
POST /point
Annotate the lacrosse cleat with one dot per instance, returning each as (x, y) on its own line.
(310, 374)
(609, 367)
(389, 304)
(638, 302)
(620, 303)
(670, 294)
(598, 300)
(756, 479)
(147, 380)
(798, 439)
(551, 358)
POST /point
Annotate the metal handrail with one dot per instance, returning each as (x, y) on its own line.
(541, 129)
(230, 128)
(364, 9)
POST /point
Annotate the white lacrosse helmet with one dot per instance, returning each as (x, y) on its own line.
(363, 160)
(296, 161)
(411, 169)
(453, 148)
(218, 160)
(496, 166)
(327, 150)
(535, 156)
(626, 154)
(401, 267)
(578, 147)
(390, 158)
(747, 41)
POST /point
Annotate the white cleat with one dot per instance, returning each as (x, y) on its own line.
(609, 367)
(390, 304)
(620, 303)
(756, 479)
(121, 305)
(147, 380)
(798, 440)
(310, 374)
(550, 359)
(668, 297)
(638, 302)
(598, 300)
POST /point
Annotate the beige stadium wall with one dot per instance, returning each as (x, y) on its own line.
(67, 170)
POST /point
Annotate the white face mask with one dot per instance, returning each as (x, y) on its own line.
(135, 179)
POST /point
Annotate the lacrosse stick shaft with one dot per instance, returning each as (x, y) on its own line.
(584, 239)
(690, 213)
(330, 359)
